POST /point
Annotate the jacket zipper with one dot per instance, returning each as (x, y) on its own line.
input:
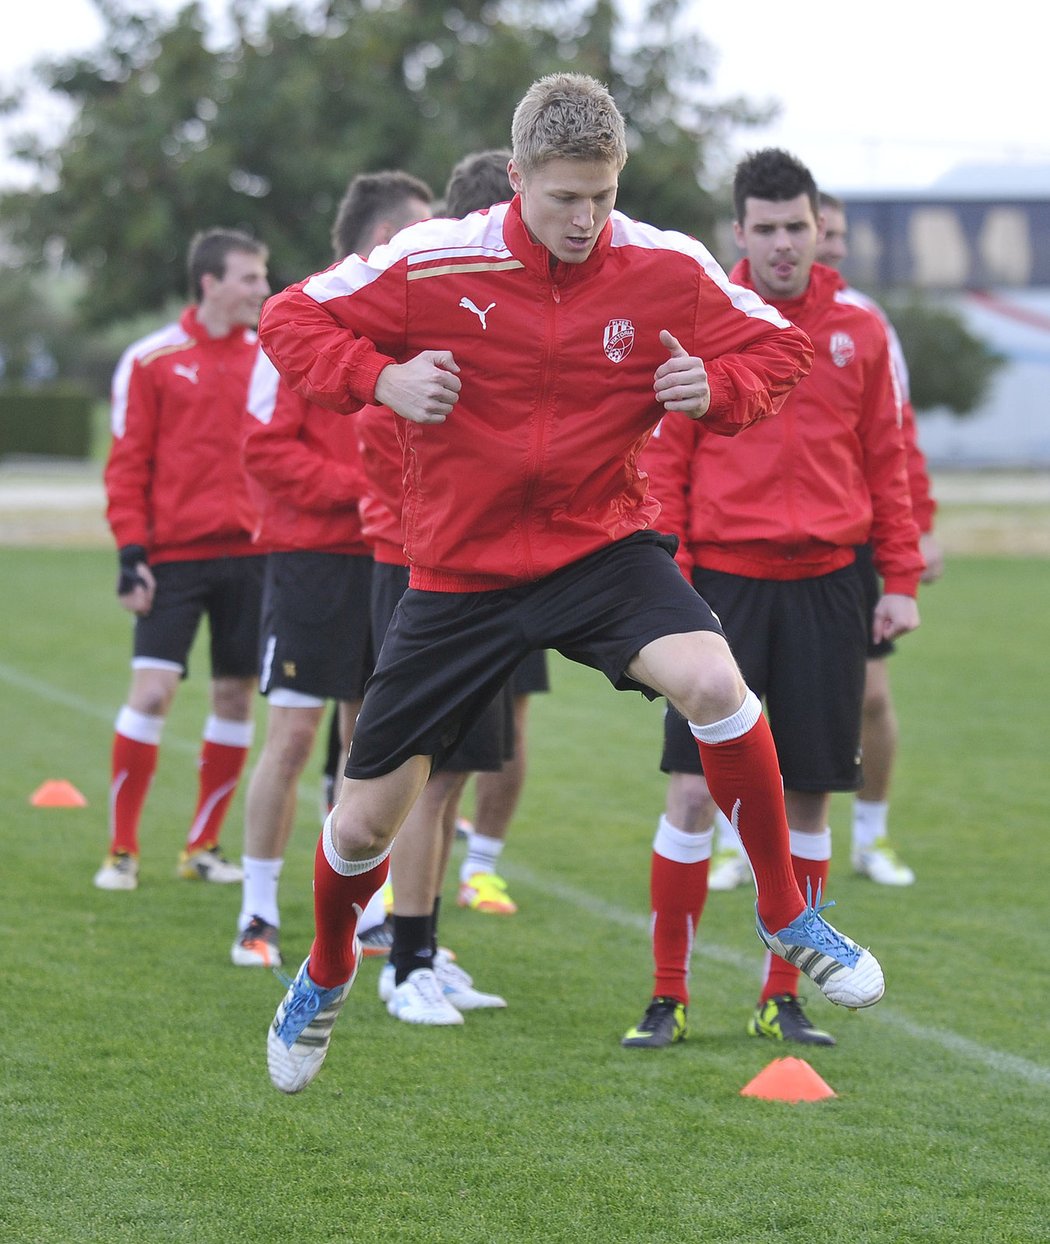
(539, 439)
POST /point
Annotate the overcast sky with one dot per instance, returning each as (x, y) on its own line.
(880, 96)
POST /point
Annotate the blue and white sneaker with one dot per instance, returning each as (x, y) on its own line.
(297, 1041)
(845, 973)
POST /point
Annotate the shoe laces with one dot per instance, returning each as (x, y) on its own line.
(660, 1006)
(425, 983)
(449, 973)
(304, 1003)
(821, 935)
(792, 1005)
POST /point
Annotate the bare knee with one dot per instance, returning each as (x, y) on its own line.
(289, 741)
(358, 835)
(232, 698)
(152, 691)
(712, 691)
(689, 804)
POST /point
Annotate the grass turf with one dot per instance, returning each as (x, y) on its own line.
(134, 1102)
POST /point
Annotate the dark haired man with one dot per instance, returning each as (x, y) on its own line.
(769, 523)
(307, 479)
(179, 512)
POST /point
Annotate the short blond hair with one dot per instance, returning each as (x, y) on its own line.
(570, 116)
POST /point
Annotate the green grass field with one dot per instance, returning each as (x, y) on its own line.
(134, 1101)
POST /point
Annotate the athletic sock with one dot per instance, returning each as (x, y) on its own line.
(136, 743)
(481, 857)
(435, 916)
(342, 889)
(413, 945)
(870, 819)
(810, 856)
(726, 837)
(743, 776)
(224, 750)
(259, 891)
(677, 892)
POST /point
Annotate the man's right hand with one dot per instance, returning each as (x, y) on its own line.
(423, 390)
(136, 585)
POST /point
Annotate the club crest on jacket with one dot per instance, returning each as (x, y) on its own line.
(618, 340)
(843, 351)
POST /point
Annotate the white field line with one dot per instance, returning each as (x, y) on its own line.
(992, 1059)
(972, 1051)
(77, 704)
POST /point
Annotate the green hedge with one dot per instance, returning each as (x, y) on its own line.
(55, 422)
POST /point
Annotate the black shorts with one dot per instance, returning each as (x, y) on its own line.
(228, 590)
(446, 654)
(531, 676)
(801, 647)
(869, 577)
(490, 740)
(316, 625)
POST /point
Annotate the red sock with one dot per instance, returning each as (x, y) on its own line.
(743, 776)
(220, 767)
(782, 977)
(338, 901)
(677, 894)
(133, 767)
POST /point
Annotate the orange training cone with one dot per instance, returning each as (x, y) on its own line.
(57, 793)
(788, 1079)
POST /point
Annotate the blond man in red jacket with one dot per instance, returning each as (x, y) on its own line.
(770, 522)
(530, 352)
(179, 511)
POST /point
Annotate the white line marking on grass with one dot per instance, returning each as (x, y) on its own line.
(77, 704)
(973, 1051)
(994, 1060)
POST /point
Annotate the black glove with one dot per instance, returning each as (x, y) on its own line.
(131, 555)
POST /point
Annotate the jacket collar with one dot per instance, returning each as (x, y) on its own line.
(824, 284)
(537, 258)
(192, 326)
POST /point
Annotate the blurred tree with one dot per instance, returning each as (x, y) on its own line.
(171, 132)
(947, 365)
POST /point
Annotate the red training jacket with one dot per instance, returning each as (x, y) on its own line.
(793, 496)
(174, 481)
(537, 465)
(304, 470)
(382, 453)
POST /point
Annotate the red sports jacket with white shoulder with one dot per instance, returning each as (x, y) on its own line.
(382, 454)
(537, 464)
(794, 495)
(304, 470)
(174, 480)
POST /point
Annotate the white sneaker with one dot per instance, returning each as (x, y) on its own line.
(882, 864)
(209, 864)
(297, 1041)
(119, 871)
(729, 870)
(419, 1000)
(458, 986)
(845, 973)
